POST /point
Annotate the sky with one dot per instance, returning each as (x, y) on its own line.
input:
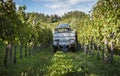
(58, 7)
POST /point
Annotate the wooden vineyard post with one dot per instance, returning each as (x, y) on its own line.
(29, 51)
(82, 46)
(10, 53)
(111, 52)
(103, 52)
(25, 51)
(33, 48)
(112, 36)
(98, 53)
(15, 54)
(21, 52)
(8, 48)
(106, 50)
(93, 48)
(89, 46)
(86, 48)
(6, 56)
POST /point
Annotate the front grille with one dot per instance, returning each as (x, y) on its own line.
(62, 46)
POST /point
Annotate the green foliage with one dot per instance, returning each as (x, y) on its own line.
(18, 27)
(34, 29)
(78, 64)
(45, 63)
(74, 14)
(7, 22)
(103, 23)
(44, 18)
(30, 65)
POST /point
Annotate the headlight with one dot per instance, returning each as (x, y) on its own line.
(72, 41)
(56, 42)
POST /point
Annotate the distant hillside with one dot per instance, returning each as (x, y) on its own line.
(55, 18)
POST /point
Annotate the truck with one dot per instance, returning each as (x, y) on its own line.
(64, 38)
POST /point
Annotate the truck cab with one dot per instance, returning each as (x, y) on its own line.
(64, 38)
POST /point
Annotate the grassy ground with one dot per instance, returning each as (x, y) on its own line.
(80, 64)
(27, 66)
(45, 63)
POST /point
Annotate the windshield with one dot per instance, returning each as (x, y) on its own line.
(63, 30)
(64, 40)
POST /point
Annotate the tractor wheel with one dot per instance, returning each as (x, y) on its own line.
(73, 49)
(55, 49)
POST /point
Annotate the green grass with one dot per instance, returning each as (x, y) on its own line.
(27, 66)
(80, 64)
(45, 63)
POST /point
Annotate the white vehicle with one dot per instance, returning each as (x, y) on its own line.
(64, 38)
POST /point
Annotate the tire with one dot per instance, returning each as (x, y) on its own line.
(54, 50)
(73, 49)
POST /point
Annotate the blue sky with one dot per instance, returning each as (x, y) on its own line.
(58, 7)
